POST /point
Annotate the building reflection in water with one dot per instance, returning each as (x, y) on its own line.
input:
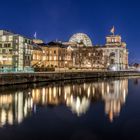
(14, 107)
(114, 96)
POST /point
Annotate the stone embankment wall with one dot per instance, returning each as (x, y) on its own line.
(19, 78)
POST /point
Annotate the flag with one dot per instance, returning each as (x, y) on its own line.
(112, 30)
(35, 35)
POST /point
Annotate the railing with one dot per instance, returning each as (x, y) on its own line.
(14, 70)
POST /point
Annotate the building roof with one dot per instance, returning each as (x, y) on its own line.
(42, 44)
(36, 47)
(8, 33)
(52, 44)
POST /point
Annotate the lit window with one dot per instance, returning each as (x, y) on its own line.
(16, 41)
(10, 38)
(20, 39)
(3, 38)
(34, 57)
(44, 57)
(54, 57)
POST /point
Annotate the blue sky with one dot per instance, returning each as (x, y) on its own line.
(59, 19)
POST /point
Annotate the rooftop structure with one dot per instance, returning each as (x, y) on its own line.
(81, 38)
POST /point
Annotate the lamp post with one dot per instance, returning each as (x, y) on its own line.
(65, 65)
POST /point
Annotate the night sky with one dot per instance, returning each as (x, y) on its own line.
(59, 19)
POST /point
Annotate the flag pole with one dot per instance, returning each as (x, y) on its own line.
(113, 31)
(35, 35)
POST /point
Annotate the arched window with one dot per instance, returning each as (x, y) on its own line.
(112, 61)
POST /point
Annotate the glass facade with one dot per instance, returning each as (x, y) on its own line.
(15, 51)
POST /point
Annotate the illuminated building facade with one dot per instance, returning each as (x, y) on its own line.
(15, 51)
(116, 52)
(37, 55)
(18, 52)
(79, 52)
(113, 55)
(53, 55)
(87, 57)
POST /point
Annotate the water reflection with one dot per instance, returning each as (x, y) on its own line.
(14, 108)
(19, 104)
(114, 96)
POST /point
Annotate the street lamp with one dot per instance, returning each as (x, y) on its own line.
(65, 65)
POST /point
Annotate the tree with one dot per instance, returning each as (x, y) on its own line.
(96, 58)
(92, 57)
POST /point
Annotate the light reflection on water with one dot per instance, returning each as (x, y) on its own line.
(18, 104)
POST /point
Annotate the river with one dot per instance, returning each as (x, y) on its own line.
(91, 109)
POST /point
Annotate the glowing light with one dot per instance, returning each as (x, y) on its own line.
(81, 38)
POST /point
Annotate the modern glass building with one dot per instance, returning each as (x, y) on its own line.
(15, 51)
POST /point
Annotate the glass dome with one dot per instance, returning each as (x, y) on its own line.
(81, 38)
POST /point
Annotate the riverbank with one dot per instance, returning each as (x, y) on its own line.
(20, 78)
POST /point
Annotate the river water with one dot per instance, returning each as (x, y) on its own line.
(94, 109)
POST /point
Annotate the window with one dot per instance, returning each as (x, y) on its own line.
(10, 38)
(25, 41)
(44, 57)
(3, 38)
(16, 40)
(16, 46)
(3, 50)
(50, 57)
(0, 45)
(9, 45)
(113, 40)
(34, 56)
(54, 51)
(112, 54)
(54, 57)
(20, 39)
(5, 45)
(10, 50)
(112, 61)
